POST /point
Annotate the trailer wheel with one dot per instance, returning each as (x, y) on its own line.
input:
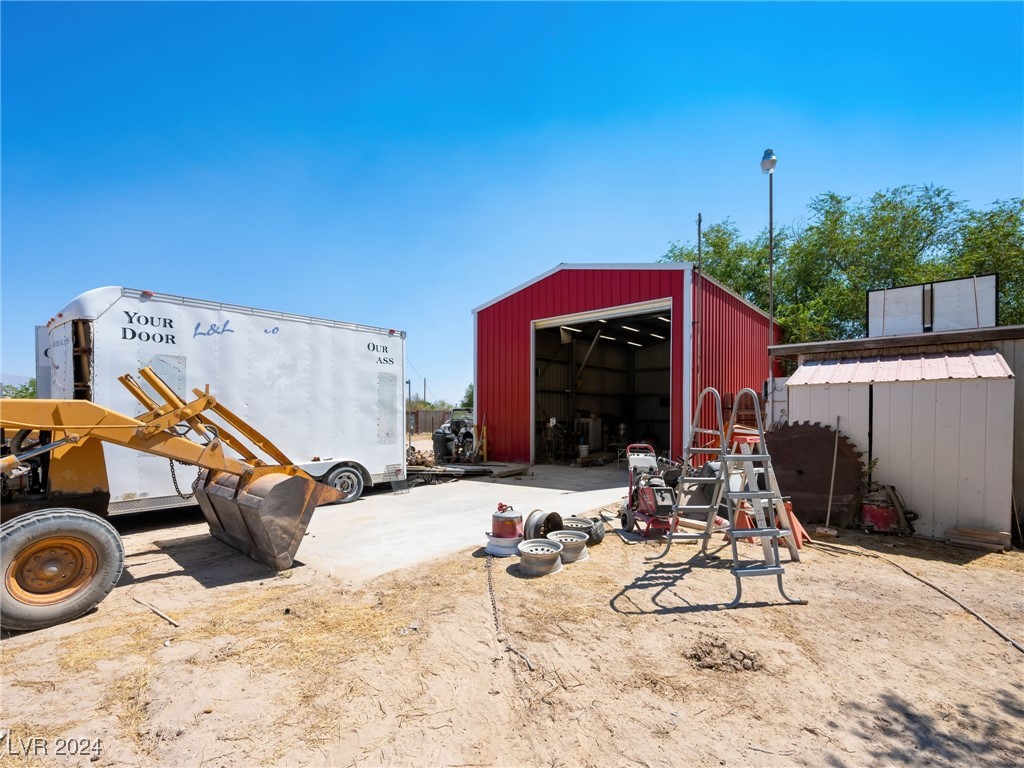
(348, 480)
(56, 564)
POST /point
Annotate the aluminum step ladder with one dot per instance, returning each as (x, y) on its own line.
(700, 495)
(763, 505)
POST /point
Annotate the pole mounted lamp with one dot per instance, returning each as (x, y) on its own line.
(768, 161)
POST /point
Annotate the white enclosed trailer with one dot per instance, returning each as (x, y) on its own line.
(329, 394)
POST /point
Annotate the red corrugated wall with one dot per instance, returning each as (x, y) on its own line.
(734, 345)
(734, 335)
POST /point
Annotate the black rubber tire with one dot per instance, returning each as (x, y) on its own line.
(540, 523)
(628, 520)
(27, 530)
(348, 480)
(597, 532)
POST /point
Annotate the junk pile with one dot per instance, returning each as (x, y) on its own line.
(415, 458)
(545, 541)
(882, 511)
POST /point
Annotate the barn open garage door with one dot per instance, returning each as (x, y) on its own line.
(601, 381)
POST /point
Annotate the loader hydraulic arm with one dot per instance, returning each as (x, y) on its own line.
(91, 421)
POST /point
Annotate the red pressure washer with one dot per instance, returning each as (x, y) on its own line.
(651, 494)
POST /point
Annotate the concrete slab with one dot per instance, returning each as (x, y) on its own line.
(383, 532)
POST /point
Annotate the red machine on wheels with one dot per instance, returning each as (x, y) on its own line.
(651, 494)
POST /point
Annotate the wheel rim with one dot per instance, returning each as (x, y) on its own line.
(51, 570)
(347, 483)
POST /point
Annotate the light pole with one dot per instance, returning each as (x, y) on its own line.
(768, 161)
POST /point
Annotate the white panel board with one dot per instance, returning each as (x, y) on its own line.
(998, 455)
(799, 404)
(969, 303)
(1012, 351)
(947, 458)
(920, 493)
(971, 492)
(944, 306)
(895, 311)
(881, 424)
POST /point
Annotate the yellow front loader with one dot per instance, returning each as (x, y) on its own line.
(59, 557)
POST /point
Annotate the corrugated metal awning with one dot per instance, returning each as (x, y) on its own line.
(923, 367)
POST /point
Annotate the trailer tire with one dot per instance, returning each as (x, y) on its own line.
(56, 565)
(348, 480)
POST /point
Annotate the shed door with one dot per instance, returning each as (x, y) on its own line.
(947, 446)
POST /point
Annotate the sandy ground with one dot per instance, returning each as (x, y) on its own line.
(633, 663)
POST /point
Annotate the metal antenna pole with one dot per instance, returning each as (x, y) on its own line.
(697, 320)
(771, 293)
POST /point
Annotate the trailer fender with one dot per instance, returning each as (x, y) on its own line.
(348, 477)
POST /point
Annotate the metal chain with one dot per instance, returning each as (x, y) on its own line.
(494, 602)
(497, 625)
(177, 490)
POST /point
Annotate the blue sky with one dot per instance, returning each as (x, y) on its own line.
(400, 164)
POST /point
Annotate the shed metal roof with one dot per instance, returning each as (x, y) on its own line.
(982, 364)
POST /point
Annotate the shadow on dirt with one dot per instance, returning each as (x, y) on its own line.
(897, 733)
(201, 557)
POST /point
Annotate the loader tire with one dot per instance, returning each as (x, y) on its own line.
(348, 480)
(56, 564)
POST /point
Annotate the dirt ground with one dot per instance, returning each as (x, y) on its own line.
(615, 661)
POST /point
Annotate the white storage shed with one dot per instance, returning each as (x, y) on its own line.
(939, 425)
(943, 414)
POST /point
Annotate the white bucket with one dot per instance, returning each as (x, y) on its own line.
(584, 451)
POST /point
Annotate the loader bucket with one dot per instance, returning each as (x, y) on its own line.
(264, 513)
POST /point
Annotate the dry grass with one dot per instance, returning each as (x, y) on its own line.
(135, 634)
(16, 737)
(128, 699)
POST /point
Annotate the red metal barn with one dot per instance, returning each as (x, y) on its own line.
(611, 353)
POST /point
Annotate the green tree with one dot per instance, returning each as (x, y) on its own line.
(743, 266)
(28, 389)
(993, 241)
(467, 399)
(901, 236)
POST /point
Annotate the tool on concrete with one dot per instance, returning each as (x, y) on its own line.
(57, 562)
(828, 530)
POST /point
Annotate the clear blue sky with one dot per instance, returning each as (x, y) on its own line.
(399, 165)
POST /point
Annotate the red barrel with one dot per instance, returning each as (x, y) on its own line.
(507, 524)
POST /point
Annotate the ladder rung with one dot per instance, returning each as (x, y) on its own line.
(758, 570)
(704, 450)
(736, 457)
(740, 495)
(756, 533)
(703, 508)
